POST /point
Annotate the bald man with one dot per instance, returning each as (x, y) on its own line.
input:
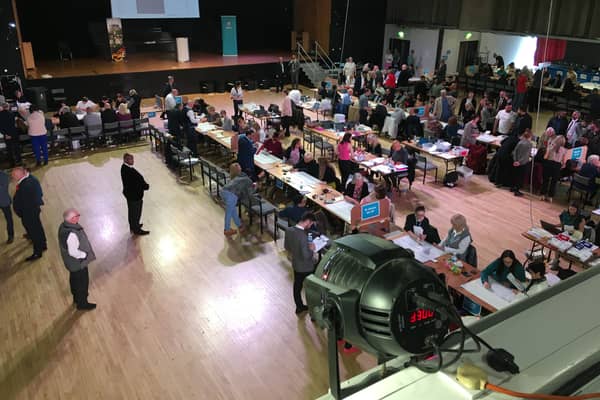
(27, 203)
(76, 251)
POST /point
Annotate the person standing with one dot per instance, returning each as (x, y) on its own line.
(280, 75)
(443, 108)
(169, 86)
(27, 203)
(8, 128)
(134, 104)
(240, 188)
(5, 206)
(505, 120)
(237, 96)
(574, 129)
(349, 69)
(134, 187)
(301, 251)
(36, 129)
(294, 71)
(521, 156)
(171, 100)
(77, 253)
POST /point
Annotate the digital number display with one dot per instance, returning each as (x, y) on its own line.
(421, 315)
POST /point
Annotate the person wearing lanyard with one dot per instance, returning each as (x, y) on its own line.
(417, 224)
(237, 95)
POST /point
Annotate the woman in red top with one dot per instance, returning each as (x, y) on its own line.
(273, 145)
(390, 80)
(521, 91)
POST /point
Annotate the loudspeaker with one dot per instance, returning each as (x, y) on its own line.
(36, 95)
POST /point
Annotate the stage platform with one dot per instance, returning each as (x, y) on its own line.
(147, 73)
(147, 62)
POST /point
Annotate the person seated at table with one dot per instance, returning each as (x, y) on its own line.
(241, 126)
(540, 280)
(398, 153)
(213, 116)
(123, 113)
(500, 269)
(413, 125)
(373, 145)
(417, 224)
(294, 212)
(390, 80)
(451, 131)
(327, 173)
(200, 106)
(357, 189)
(388, 97)
(458, 239)
(470, 133)
(107, 114)
(380, 193)
(591, 170)
(377, 116)
(308, 164)
(67, 119)
(84, 104)
(92, 118)
(294, 153)
(273, 145)
(571, 219)
(225, 122)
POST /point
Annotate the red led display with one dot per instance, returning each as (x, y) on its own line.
(421, 315)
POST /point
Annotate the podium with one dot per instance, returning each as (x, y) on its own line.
(183, 49)
(373, 218)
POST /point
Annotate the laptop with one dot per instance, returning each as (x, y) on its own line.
(552, 228)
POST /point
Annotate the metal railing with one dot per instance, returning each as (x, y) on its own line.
(320, 53)
(311, 64)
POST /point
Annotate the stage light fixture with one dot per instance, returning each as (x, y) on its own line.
(375, 295)
(12, 25)
(468, 35)
(401, 34)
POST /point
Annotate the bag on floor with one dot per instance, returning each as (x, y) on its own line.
(450, 179)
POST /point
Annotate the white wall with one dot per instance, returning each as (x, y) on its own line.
(423, 41)
(513, 48)
(451, 46)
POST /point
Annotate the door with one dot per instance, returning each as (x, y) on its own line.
(468, 54)
(399, 48)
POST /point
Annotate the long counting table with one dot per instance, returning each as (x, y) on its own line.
(444, 156)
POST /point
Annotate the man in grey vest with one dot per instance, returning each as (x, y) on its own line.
(77, 253)
(301, 251)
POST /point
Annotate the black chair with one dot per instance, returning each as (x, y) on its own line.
(262, 208)
(77, 134)
(322, 144)
(308, 138)
(64, 51)
(110, 129)
(183, 159)
(221, 177)
(424, 165)
(60, 138)
(94, 133)
(141, 127)
(205, 171)
(126, 129)
(581, 185)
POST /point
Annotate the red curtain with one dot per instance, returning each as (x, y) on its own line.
(555, 50)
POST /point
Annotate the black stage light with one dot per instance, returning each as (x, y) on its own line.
(375, 295)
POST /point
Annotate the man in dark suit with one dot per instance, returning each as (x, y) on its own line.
(27, 204)
(280, 74)
(169, 86)
(5, 206)
(134, 186)
(8, 128)
(301, 251)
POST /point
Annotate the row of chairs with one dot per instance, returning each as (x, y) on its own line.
(96, 133)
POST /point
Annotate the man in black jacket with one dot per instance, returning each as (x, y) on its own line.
(11, 137)
(134, 186)
(27, 203)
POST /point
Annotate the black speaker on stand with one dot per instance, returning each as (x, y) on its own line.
(36, 95)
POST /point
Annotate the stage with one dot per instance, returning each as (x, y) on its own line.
(147, 73)
(147, 62)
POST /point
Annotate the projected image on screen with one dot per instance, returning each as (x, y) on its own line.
(150, 6)
(133, 9)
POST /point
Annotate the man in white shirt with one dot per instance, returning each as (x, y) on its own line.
(504, 121)
(84, 104)
(77, 253)
(349, 69)
(170, 100)
(574, 130)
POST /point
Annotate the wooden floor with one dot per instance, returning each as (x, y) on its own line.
(145, 62)
(184, 313)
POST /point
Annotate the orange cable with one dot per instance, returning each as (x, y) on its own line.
(509, 392)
